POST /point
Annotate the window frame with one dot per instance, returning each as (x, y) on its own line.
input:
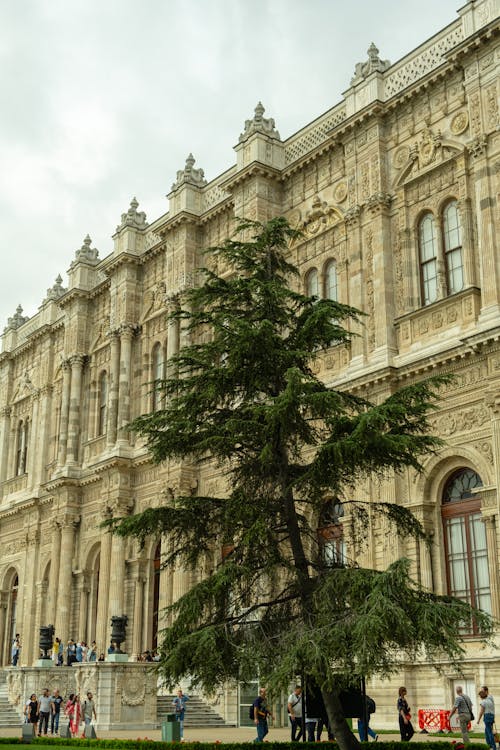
(423, 263)
(449, 251)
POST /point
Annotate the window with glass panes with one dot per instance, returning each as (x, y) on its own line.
(331, 284)
(452, 241)
(428, 258)
(312, 283)
(331, 533)
(158, 363)
(103, 403)
(465, 541)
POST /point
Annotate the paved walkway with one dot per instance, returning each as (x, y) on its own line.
(224, 734)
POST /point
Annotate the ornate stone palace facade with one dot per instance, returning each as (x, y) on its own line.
(396, 191)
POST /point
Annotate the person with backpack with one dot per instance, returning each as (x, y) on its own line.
(365, 732)
(259, 713)
(294, 706)
(179, 704)
(463, 706)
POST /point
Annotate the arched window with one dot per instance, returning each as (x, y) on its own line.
(465, 541)
(331, 533)
(22, 447)
(103, 403)
(158, 366)
(331, 282)
(452, 242)
(428, 258)
(312, 283)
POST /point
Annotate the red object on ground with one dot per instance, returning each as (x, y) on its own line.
(435, 719)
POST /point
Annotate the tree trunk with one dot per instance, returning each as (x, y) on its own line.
(343, 735)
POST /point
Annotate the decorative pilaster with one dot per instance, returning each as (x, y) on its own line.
(114, 379)
(492, 547)
(116, 588)
(63, 429)
(42, 431)
(33, 454)
(4, 595)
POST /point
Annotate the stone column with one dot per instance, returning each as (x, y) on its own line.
(487, 237)
(42, 437)
(491, 544)
(55, 561)
(83, 590)
(138, 609)
(4, 441)
(116, 587)
(114, 377)
(467, 226)
(74, 409)
(3, 621)
(68, 525)
(34, 458)
(63, 426)
(126, 335)
(102, 628)
(352, 219)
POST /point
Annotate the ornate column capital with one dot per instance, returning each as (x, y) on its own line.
(129, 330)
(77, 361)
(5, 411)
(352, 216)
(492, 401)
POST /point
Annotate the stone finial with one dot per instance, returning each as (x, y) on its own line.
(86, 254)
(57, 290)
(373, 64)
(189, 175)
(17, 320)
(133, 217)
(260, 124)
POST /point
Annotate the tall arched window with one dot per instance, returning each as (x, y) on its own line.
(103, 403)
(452, 241)
(331, 281)
(331, 533)
(465, 541)
(22, 447)
(312, 283)
(158, 366)
(428, 258)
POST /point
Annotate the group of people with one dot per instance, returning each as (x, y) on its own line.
(463, 708)
(74, 652)
(38, 711)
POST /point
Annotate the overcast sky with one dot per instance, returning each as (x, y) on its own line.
(102, 100)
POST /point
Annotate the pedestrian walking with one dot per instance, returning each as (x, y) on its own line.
(260, 714)
(44, 712)
(405, 726)
(31, 710)
(487, 712)
(55, 706)
(294, 707)
(463, 707)
(365, 732)
(88, 709)
(179, 704)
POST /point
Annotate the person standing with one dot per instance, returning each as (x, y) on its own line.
(31, 710)
(73, 712)
(463, 706)
(363, 732)
(89, 709)
(179, 704)
(294, 706)
(92, 652)
(405, 726)
(55, 707)
(487, 710)
(260, 714)
(44, 712)
(16, 650)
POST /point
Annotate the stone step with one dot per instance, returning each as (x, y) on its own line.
(198, 713)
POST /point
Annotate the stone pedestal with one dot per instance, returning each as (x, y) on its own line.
(117, 658)
(124, 692)
(44, 663)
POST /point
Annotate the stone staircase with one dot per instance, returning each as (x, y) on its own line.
(8, 714)
(198, 713)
